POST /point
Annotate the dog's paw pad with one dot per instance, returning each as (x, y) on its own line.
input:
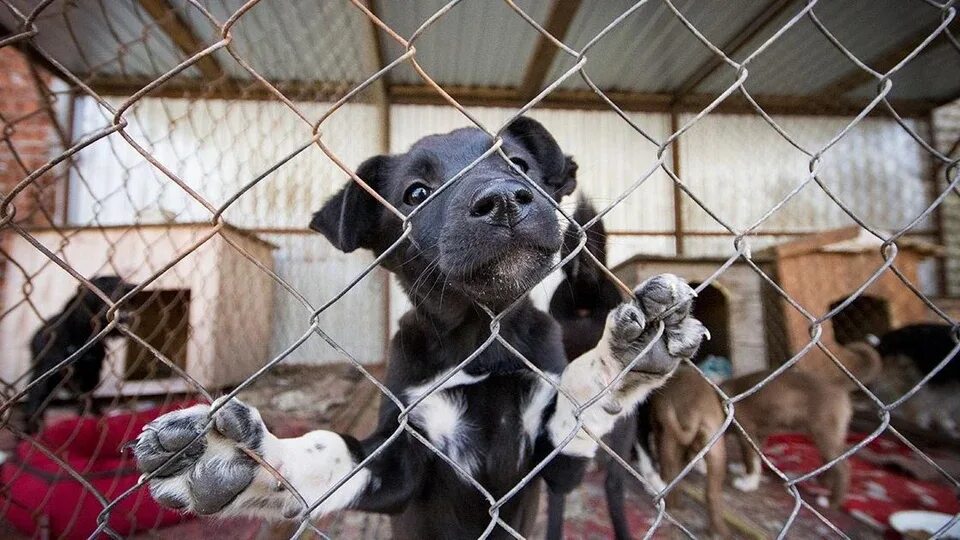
(684, 338)
(663, 292)
(172, 442)
(197, 466)
(215, 483)
(238, 422)
(627, 322)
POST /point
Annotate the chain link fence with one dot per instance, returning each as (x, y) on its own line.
(222, 279)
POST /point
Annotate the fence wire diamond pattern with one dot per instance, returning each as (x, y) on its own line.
(37, 180)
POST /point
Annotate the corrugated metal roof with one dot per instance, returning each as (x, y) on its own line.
(474, 44)
(486, 44)
(108, 39)
(291, 41)
(802, 60)
(936, 77)
(651, 50)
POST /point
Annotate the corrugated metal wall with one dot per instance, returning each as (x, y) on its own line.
(946, 122)
(737, 165)
(217, 147)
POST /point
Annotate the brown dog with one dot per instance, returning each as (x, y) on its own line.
(814, 401)
(686, 414)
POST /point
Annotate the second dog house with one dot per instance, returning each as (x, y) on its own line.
(209, 314)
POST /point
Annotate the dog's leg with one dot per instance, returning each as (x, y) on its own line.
(648, 471)
(671, 463)
(620, 441)
(212, 475)
(752, 466)
(556, 505)
(626, 335)
(830, 437)
(716, 460)
(38, 398)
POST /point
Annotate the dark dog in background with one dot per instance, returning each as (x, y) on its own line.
(83, 316)
(909, 354)
(482, 241)
(582, 300)
(580, 304)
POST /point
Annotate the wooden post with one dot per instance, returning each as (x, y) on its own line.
(677, 193)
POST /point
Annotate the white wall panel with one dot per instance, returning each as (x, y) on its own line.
(740, 168)
(216, 147)
(319, 272)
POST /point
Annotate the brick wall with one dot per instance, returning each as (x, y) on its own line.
(28, 140)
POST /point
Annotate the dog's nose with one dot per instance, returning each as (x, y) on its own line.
(502, 203)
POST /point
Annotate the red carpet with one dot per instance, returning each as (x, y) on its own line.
(876, 491)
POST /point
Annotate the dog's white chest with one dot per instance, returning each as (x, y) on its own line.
(445, 418)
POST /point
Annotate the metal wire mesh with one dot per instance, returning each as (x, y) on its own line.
(223, 190)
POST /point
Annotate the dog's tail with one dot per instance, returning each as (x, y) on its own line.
(861, 359)
(668, 418)
(596, 234)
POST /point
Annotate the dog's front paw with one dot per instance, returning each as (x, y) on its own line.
(664, 297)
(670, 298)
(212, 469)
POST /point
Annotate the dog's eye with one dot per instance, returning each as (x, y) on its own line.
(416, 194)
(521, 164)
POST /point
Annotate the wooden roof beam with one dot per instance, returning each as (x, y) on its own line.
(558, 22)
(182, 35)
(646, 102)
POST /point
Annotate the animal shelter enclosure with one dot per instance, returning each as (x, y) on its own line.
(794, 160)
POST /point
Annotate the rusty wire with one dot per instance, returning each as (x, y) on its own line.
(34, 176)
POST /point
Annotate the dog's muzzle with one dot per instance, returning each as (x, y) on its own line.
(502, 203)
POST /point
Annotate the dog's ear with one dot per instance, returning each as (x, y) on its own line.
(559, 171)
(349, 219)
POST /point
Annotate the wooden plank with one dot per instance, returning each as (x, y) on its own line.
(814, 241)
(179, 31)
(735, 44)
(381, 97)
(742, 525)
(677, 192)
(232, 89)
(558, 22)
(652, 102)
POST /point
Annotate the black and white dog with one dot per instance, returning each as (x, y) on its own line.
(83, 317)
(580, 305)
(485, 240)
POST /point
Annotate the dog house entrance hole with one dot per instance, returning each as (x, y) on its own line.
(161, 318)
(865, 315)
(712, 308)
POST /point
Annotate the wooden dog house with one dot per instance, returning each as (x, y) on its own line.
(210, 314)
(822, 270)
